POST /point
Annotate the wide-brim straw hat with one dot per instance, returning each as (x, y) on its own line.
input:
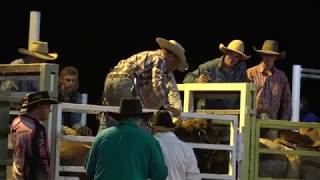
(236, 46)
(40, 50)
(271, 47)
(175, 48)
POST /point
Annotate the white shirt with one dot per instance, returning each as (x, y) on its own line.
(179, 157)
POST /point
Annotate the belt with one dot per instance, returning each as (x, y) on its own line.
(119, 76)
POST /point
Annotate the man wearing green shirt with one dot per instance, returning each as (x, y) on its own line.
(126, 151)
(230, 67)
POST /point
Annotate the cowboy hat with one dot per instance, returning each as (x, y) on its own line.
(177, 49)
(37, 97)
(40, 50)
(162, 121)
(271, 47)
(235, 46)
(130, 107)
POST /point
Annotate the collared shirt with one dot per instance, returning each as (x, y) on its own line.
(125, 152)
(179, 157)
(213, 70)
(273, 92)
(149, 69)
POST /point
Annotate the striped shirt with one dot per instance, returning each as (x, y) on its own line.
(149, 70)
(273, 92)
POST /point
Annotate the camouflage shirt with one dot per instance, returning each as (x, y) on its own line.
(154, 86)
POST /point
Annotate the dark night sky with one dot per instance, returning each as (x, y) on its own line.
(100, 33)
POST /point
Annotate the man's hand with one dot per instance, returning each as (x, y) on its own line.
(203, 79)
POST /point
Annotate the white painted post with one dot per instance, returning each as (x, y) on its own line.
(84, 100)
(296, 79)
(34, 27)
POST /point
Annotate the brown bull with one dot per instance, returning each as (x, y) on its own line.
(306, 139)
(292, 166)
(203, 131)
(277, 165)
(73, 153)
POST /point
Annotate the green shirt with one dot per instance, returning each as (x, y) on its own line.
(214, 71)
(125, 152)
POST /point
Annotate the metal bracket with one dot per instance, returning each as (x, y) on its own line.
(250, 111)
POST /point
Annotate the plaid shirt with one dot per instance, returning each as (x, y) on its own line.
(149, 70)
(273, 92)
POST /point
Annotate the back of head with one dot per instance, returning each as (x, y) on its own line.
(162, 121)
(130, 109)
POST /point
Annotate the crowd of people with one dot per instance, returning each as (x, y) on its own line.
(123, 149)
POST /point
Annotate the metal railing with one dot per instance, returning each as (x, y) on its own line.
(95, 109)
(297, 74)
(276, 124)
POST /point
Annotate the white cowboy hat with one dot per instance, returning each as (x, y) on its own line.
(40, 50)
(177, 49)
(271, 47)
(235, 46)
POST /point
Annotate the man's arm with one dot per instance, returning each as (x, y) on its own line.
(192, 77)
(173, 93)
(286, 100)
(243, 72)
(203, 74)
(249, 76)
(20, 144)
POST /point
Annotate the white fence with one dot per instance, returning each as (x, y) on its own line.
(95, 109)
(297, 73)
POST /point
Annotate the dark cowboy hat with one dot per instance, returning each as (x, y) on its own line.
(162, 120)
(37, 97)
(130, 107)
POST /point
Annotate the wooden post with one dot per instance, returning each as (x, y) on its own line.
(34, 27)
